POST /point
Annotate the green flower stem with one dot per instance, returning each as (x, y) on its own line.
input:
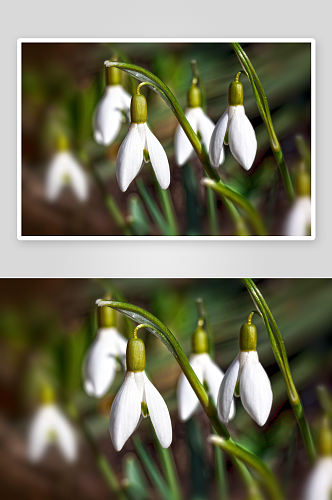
(279, 350)
(155, 326)
(160, 88)
(168, 466)
(101, 460)
(248, 458)
(112, 206)
(212, 213)
(152, 470)
(264, 110)
(235, 197)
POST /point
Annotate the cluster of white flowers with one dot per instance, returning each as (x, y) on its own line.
(140, 145)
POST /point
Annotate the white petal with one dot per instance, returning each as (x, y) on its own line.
(38, 438)
(159, 414)
(213, 376)
(54, 176)
(158, 159)
(205, 127)
(108, 116)
(65, 435)
(242, 138)
(188, 402)
(125, 412)
(298, 219)
(319, 483)
(129, 159)
(255, 389)
(226, 392)
(100, 364)
(126, 101)
(78, 178)
(182, 146)
(216, 150)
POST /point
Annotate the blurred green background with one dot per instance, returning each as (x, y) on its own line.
(62, 84)
(47, 326)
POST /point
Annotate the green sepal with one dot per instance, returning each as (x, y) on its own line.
(237, 389)
(235, 94)
(200, 341)
(135, 355)
(113, 75)
(144, 409)
(194, 97)
(146, 155)
(248, 337)
(138, 109)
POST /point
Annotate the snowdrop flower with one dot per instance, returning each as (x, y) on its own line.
(64, 170)
(49, 426)
(298, 220)
(319, 483)
(105, 356)
(138, 398)
(199, 122)
(248, 379)
(109, 113)
(206, 370)
(234, 128)
(140, 146)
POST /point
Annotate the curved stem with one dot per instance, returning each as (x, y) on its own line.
(234, 196)
(279, 350)
(264, 110)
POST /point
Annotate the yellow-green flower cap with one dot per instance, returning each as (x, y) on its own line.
(47, 395)
(106, 317)
(200, 341)
(194, 97)
(324, 440)
(62, 143)
(235, 94)
(248, 337)
(135, 355)
(113, 76)
(303, 183)
(138, 109)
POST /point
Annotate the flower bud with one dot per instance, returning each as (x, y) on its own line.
(302, 183)
(135, 355)
(324, 440)
(113, 75)
(138, 109)
(194, 97)
(235, 94)
(248, 337)
(106, 317)
(200, 341)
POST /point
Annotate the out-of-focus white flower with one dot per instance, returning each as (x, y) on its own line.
(207, 371)
(138, 398)
(319, 482)
(199, 122)
(64, 170)
(241, 135)
(298, 219)
(109, 113)
(140, 146)
(102, 361)
(254, 387)
(49, 426)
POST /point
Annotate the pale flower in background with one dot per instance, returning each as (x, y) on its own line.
(49, 426)
(319, 483)
(110, 112)
(206, 371)
(298, 219)
(102, 361)
(64, 170)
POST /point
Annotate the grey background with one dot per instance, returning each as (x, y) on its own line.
(95, 18)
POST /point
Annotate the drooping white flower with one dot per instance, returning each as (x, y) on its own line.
(140, 146)
(207, 371)
(200, 123)
(49, 426)
(102, 359)
(298, 220)
(319, 482)
(254, 387)
(64, 170)
(241, 135)
(138, 398)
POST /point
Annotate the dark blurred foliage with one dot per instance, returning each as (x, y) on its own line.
(63, 82)
(47, 325)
